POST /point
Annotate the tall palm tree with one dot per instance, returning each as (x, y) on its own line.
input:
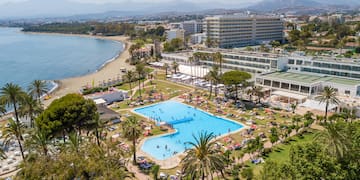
(334, 138)
(140, 68)
(328, 96)
(95, 125)
(191, 60)
(175, 66)
(29, 108)
(129, 77)
(166, 67)
(132, 131)
(37, 88)
(213, 77)
(204, 158)
(217, 57)
(12, 95)
(13, 130)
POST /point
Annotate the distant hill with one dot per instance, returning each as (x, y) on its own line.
(340, 2)
(269, 5)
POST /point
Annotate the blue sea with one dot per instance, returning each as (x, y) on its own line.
(25, 57)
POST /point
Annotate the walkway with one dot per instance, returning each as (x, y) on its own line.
(137, 173)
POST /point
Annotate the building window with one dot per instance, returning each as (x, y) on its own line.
(347, 92)
(291, 61)
(267, 82)
(294, 87)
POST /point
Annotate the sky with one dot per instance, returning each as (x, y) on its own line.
(137, 1)
(57, 8)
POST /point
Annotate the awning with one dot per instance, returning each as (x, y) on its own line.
(289, 95)
(313, 104)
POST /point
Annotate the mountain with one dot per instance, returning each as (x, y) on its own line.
(340, 2)
(269, 5)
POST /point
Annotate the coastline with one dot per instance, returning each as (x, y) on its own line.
(109, 70)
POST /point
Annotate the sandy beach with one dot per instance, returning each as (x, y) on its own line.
(110, 70)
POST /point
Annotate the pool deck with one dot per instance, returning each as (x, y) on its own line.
(175, 161)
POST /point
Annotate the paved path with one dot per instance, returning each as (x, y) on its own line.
(137, 173)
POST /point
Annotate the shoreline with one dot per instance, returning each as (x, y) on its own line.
(109, 70)
(106, 71)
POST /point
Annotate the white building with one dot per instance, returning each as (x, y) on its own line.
(306, 75)
(239, 31)
(192, 27)
(197, 38)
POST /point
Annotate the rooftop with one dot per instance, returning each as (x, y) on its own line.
(310, 78)
(297, 77)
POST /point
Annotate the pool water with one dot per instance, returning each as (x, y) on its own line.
(188, 121)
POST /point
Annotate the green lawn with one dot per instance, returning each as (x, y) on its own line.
(281, 152)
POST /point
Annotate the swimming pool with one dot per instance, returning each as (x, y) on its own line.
(188, 121)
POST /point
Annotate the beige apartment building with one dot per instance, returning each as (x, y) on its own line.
(229, 31)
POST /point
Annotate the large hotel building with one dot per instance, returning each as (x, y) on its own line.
(294, 73)
(229, 31)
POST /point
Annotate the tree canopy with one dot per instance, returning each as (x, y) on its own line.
(235, 77)
(69, 113)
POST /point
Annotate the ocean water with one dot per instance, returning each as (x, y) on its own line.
(26, 57)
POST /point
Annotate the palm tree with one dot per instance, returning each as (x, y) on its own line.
(74, 140)
(218, 59)
(37, 88)
(175, 66)
(254, 145)
(275, 44)
(166, 67)
(14, 130)
(39, 141)
(96, 126)
(293, 107)
(140, 68)
(319, 118)
(132, 132)
(12, 95)
(296, 119)
(250, 93)
(29, 108)
(328, 96)
(334, 138)
(2, 109)
(129, 77)
(213, 77)
(258, 92)
(191, 60)
(204, 158)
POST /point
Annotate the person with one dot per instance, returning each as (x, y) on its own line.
(166, 146)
